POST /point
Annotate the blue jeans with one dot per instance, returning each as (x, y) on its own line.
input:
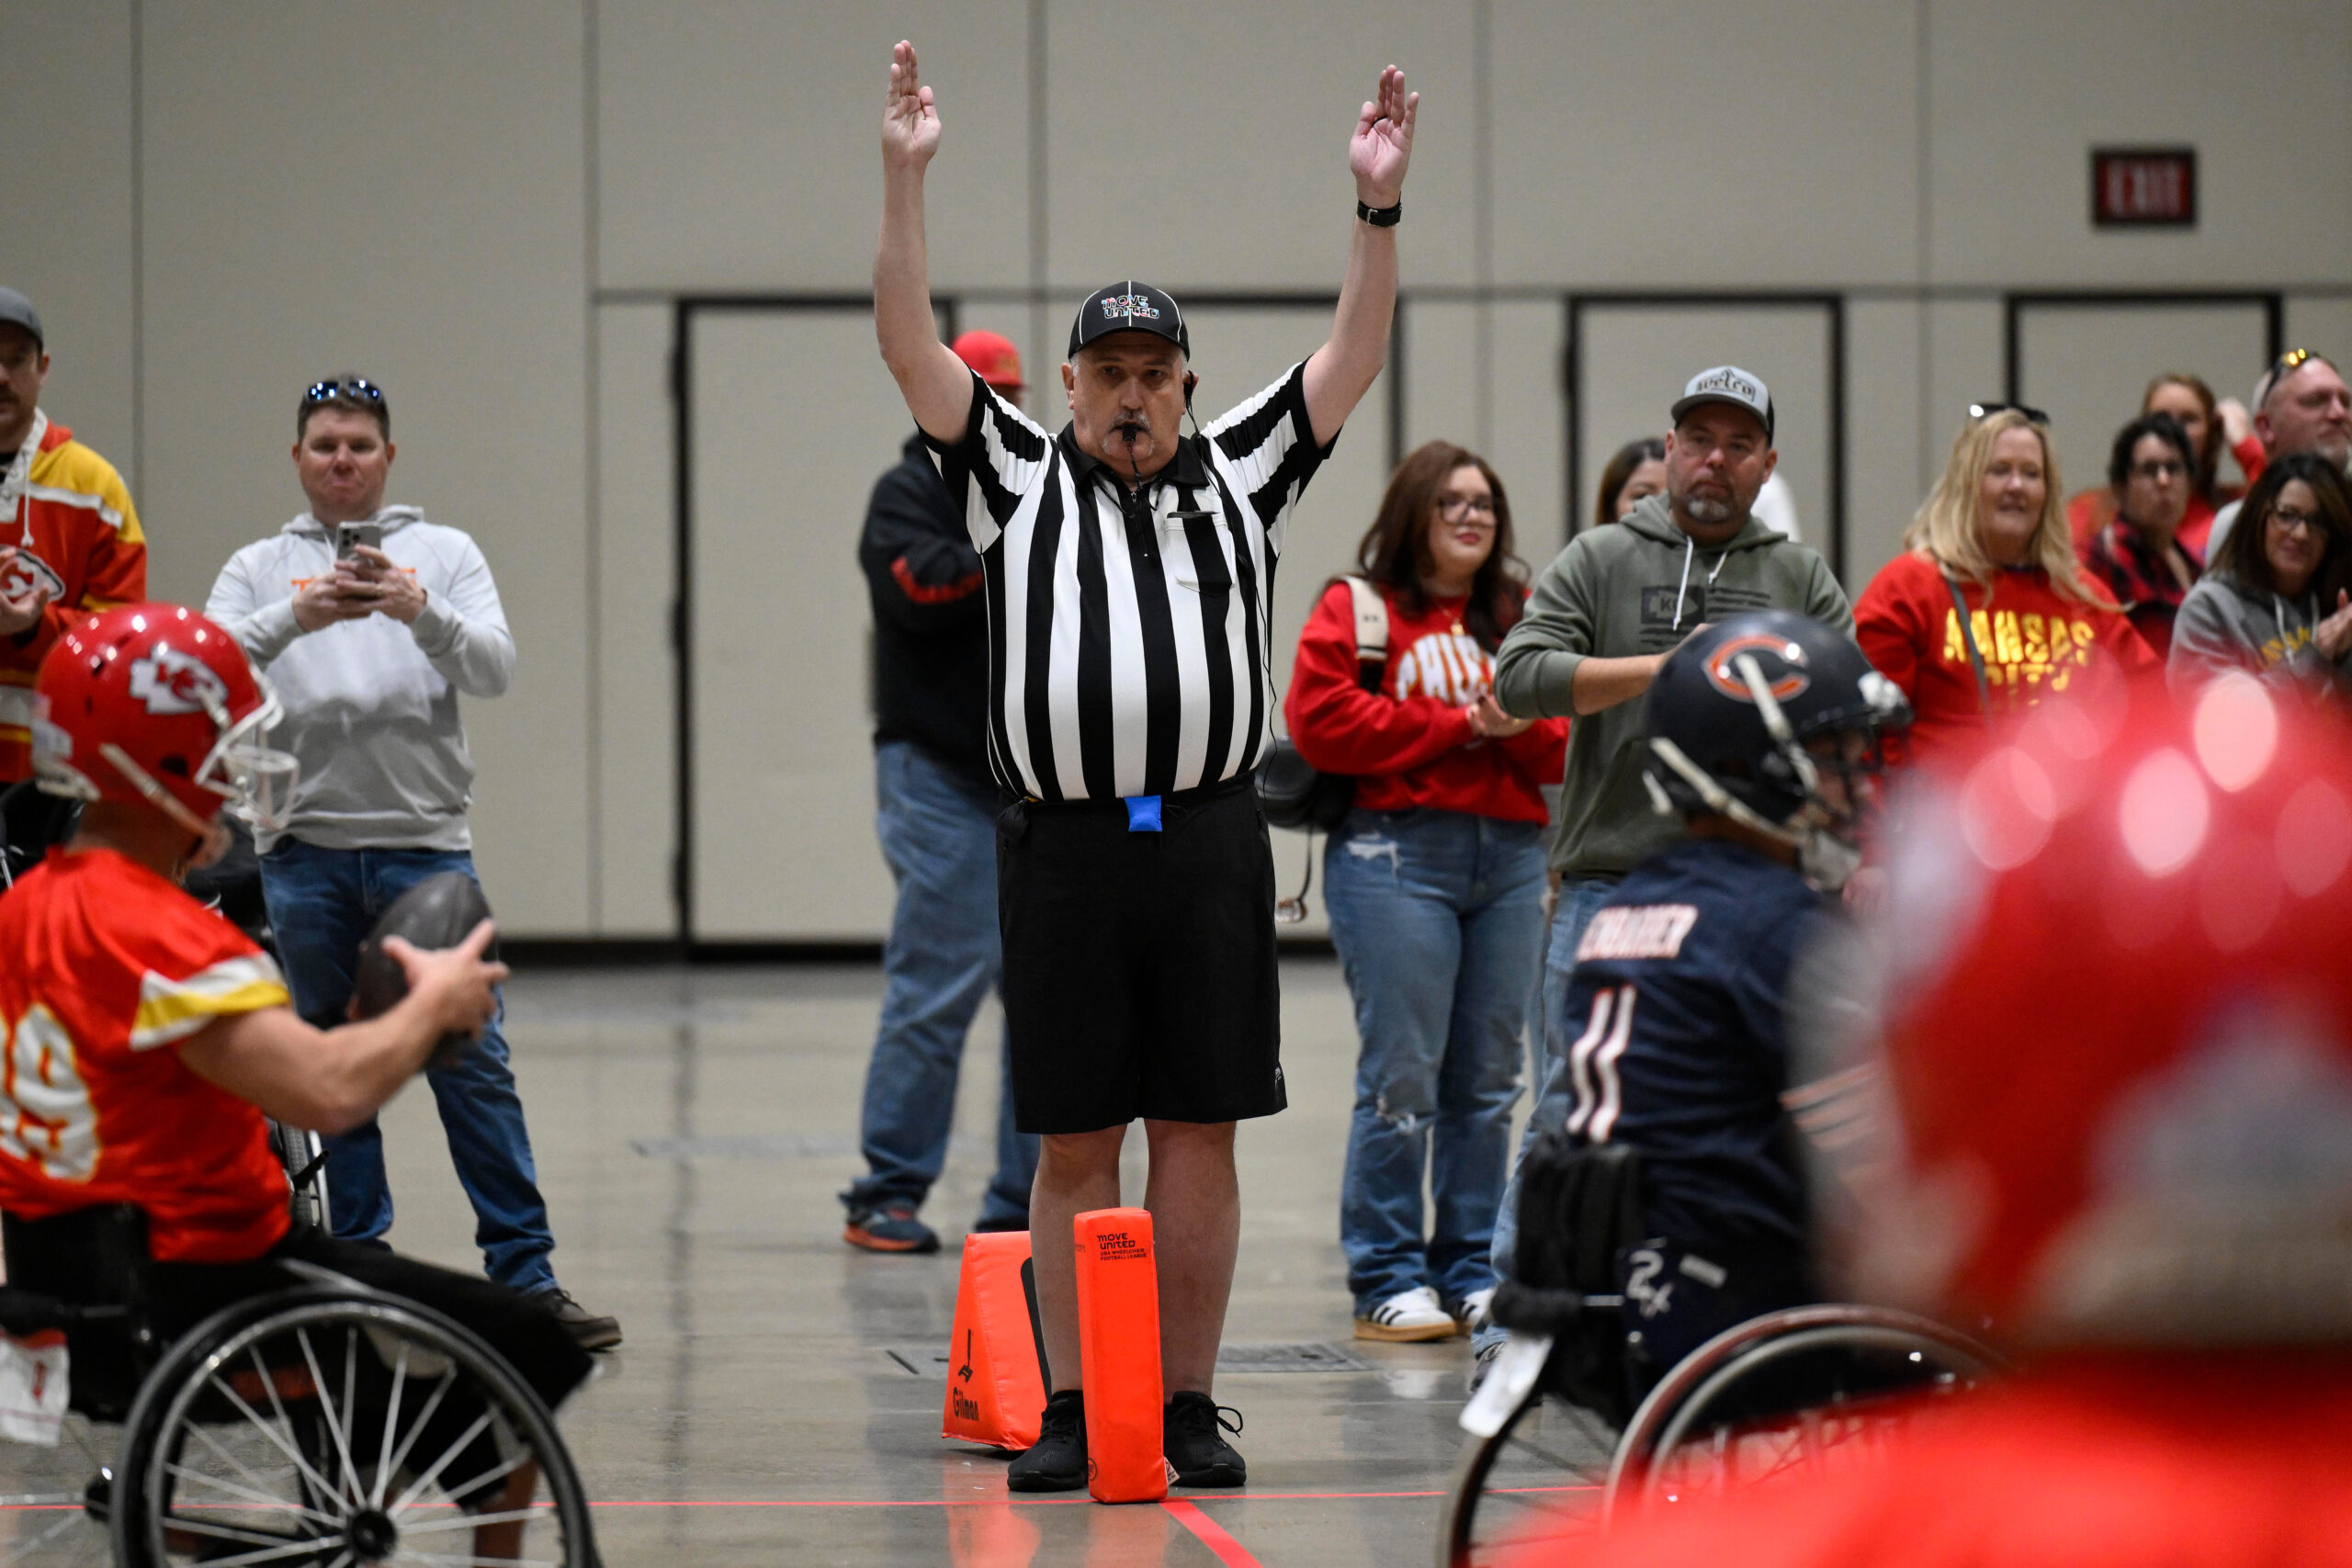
(1571, 912)
(323, 903)
(938, 831)
(1439, 920)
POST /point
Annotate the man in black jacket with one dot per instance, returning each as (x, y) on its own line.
(936, 813)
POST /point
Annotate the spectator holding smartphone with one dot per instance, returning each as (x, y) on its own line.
(368, 646)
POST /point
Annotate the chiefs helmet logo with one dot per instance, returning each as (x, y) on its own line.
(170, 682)
(1722, 667)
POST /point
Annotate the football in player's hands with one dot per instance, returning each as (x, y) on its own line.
(437, 913)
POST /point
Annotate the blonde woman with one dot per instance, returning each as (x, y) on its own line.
(1988, 611)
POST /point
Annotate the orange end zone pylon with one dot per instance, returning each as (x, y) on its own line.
(996, 1379)
(1118, 1342)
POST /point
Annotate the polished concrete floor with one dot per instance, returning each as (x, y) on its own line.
(692, 1129)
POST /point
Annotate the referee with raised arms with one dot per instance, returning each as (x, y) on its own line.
(1129, 571)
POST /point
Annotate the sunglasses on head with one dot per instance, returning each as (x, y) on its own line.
(1986, 410)
(352, 386)
(2287, 363)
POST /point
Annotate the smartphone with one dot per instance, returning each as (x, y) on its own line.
(349, 537)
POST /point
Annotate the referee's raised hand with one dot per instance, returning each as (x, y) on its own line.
(909, 119)
(1382, 143)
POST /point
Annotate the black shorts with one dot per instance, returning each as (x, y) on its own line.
(526, 1334)
(1139, 974)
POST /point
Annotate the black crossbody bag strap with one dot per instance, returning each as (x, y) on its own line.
(1968, 635)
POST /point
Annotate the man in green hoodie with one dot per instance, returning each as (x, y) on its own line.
(1602, 618)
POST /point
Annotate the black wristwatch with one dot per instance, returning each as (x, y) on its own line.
(1381, 216)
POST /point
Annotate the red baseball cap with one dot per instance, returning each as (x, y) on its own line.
(994, 356)
(2116, 1047)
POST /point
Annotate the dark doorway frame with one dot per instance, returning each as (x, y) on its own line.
(948, 309)
(1832, 305)
(2272, 302)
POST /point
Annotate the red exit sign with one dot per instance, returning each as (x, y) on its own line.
(2143, 188)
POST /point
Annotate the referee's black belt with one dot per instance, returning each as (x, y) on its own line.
(1201, 795)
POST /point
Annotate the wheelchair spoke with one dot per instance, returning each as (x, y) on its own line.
(248, 1493)
(1547, 1456)
(231, 1460)
(337, 1426)
(392, 1425)
(273, 1555)
(280, 1443)
(23, 1552)
(416, 1428)
(465, 1522)
(400, 1509)
(276, 1545)
(417, 1488)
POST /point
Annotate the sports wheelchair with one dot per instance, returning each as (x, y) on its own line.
(1558, 1449)
(323, 1424)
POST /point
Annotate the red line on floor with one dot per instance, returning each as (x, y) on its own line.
(932, 1502)
(1211, 1534)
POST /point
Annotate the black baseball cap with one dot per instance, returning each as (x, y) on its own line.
(18, 311)
(1129, 306)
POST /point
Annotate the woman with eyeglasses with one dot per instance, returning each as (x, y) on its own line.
(1435, 882)
(2213, 425)
(1988, 611)
(2277, 599)
(2139, 556)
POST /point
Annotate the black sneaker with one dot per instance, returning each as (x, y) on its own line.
(588, 1331)
(1196, 1451)
(1057, 1461)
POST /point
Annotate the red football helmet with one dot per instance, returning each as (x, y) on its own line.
(155, 703)
(2117, 1029)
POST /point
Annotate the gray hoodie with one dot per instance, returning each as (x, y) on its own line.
(371, 706)
(1635, 586)
(2225, 625)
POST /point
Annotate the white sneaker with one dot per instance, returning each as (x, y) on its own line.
(1407, 1316)
(1473, 1311)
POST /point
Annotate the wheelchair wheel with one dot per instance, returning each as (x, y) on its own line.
(304, 1156)
(323, 1427)
(47, 1518)
(1539, 1478)
(1781, 1393)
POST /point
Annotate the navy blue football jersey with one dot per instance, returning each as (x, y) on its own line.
(1674, 1020)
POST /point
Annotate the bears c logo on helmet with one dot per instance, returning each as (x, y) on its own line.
(1792, 680)
(168, 681)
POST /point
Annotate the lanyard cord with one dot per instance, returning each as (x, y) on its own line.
(1968, 635)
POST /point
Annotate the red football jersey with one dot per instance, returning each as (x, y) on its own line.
(104, 968)
(2203, 1460)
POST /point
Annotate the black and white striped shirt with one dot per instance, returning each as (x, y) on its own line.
(1128, 634)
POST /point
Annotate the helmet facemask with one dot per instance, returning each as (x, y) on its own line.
(254, 780)
(257, 780)
(1825, 833)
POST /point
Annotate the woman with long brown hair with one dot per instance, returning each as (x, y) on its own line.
(2277, 600)
(1435, 882)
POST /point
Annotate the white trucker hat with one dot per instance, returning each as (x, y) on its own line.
(1727, 384)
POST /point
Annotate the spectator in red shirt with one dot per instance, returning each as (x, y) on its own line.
(2115, 1090)
(2139, 556)
(1988, 544)
(1436, 885)
(2211, 426)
